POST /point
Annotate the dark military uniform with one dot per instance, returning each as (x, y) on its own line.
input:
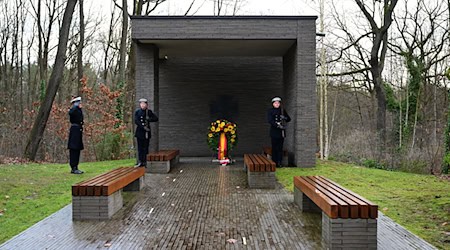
(142, 119)
(276, 118)
(75, 144)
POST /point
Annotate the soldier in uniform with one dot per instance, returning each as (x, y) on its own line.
(75, 144)
(142, 118)
(277, 118)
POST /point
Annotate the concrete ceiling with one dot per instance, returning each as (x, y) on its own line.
(176, 48)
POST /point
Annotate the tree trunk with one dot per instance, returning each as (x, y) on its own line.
(122, 62)
(80, 49)
(381, 108)
(123, 42)
(377, 58)
(40, 123)
(40, 57)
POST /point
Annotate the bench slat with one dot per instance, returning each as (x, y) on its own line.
(259, 163)
(268, 165)
(95, 178)
(343, 209)
(91, 186)
(372, 207)
(107, 183)
(329, 206)
(163, 155)
(362, 207)
(99, 187)
(81, 188)
(353, 207)
(255, 167)
(117, 184)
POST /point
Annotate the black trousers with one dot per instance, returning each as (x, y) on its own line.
(143, 145)
(277, 150)
(74, 155)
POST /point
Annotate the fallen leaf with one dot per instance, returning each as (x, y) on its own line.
(232, 241)
(107, 244)
(385, 209)
(444, 224)
(238, 187)
(190, 211)
(7, 197)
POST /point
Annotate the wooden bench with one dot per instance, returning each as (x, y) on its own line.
(161, 161)
(348, 220)
(267, 151)
(100, 197)
(260, 171)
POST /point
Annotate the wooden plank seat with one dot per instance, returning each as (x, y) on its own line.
(260, 171)
(267, 151)
(100, 197)
(348, 219)
(162, 160)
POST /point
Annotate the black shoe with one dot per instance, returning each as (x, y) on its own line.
(76, 171)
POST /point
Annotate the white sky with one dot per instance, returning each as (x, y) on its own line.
(247, 7)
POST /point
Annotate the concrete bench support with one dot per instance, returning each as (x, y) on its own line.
(162, 167)
(261, 179)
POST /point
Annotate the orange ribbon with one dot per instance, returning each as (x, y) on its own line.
(222, 146)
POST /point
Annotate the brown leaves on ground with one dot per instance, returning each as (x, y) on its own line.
(12, 160)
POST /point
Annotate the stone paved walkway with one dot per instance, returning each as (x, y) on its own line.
(198, 205)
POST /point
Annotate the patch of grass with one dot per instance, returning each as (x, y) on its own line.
(31, 192)
(420, 203)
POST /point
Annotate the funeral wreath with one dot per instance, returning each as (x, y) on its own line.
(221, 126)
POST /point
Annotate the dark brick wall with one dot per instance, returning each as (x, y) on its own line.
(230, 28)
(289, 99)
(147, 82)
(195, 91)
(306, 123)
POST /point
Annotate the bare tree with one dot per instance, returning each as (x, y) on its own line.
(40, 123)
(422, 40)
(377, 58)
(80, 47)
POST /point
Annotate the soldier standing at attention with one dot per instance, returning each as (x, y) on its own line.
(75, 144)
(277, 118)
(142, 118)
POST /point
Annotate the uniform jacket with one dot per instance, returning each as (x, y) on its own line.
(142, 119)
(76, 129)
(273, 117)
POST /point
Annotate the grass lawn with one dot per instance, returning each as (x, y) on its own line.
(29, 193)
(421, 203)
